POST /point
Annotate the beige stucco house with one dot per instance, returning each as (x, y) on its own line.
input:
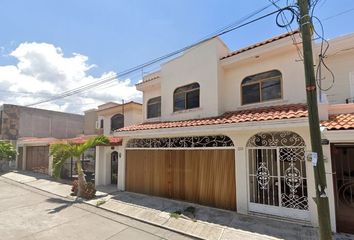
(230, 130)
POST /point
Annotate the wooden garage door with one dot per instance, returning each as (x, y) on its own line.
(37, 159)
(201, 176)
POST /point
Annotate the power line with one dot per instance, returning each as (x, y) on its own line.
(338, 14)
(156, 60)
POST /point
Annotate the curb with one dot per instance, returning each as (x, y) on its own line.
(110, 211)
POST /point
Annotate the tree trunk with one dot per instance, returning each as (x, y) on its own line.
(81, 178)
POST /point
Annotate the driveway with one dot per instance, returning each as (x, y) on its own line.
(28, 213)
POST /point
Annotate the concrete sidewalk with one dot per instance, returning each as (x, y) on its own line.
(209, 223)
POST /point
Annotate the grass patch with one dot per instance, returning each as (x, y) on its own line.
(100, 202)
(176, 214)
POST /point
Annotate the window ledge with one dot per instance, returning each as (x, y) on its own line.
(187, 110)
(263, 104)
(155, 119)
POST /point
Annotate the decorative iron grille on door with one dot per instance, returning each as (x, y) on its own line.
(277, 174)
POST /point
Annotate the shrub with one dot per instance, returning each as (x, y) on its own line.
(90, 191)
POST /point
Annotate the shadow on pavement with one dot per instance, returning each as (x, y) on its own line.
(64, 204)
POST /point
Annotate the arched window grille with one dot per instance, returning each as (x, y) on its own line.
(186, 97)
(261, 87)
(154, 107)
(117, 121)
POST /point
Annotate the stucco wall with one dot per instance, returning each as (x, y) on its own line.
(31, 122)
(199, 64)
(132, 116)
(40, 123)
(151, 92)
(90, 120)
(293, 82)
(342, 65)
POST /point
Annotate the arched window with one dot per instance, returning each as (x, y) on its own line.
(117, 121)
(154, 107)
(261, 87)
(186, 97)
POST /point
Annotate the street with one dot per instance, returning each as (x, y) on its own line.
(28, 213)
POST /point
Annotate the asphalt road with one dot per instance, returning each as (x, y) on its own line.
(28, 213)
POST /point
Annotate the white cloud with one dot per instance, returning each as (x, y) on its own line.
(43, 70)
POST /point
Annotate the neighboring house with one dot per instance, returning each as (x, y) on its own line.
(90, 122)
(18, 123)
(112, 116)
(230, 130)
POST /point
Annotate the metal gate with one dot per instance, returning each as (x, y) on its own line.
(277, 175)
(343, 167)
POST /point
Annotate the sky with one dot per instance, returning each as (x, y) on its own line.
(48, 47)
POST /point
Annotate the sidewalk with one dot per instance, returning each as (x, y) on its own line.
(210, 223)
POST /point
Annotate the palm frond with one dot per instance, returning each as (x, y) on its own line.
(60, 152)
(92, 142)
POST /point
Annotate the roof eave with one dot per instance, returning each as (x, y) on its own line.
(216, 128)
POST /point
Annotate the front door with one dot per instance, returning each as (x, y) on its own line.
(114, 167)
(277, 175)
(343, 167)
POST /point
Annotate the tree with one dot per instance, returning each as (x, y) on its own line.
(63, 151)
(7, 151)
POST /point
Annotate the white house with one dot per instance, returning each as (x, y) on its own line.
(110, 117)
(230, 130)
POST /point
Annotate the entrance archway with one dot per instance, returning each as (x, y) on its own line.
(277, 174)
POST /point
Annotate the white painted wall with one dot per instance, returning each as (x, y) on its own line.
(131, 117)
(342, 65)
(284, 61)
(103, 165)
(199, 64)
(151, 92)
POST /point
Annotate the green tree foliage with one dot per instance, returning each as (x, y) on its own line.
(7, 151)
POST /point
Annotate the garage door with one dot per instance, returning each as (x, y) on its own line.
(37, 159)
(206, 177)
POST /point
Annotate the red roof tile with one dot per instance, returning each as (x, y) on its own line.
(260, 44)
(82, 138)
(339, 122)
(250, 115)
(37, 140)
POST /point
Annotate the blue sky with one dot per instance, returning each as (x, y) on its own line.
(115, 35)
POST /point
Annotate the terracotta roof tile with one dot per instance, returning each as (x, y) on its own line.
(249, 115)
(339, 122)
(260, 44)
(82, 138)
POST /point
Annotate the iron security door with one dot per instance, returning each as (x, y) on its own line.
(277, 181)
(343, 166)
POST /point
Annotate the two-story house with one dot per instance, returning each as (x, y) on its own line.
(112, 116)
(230, 129)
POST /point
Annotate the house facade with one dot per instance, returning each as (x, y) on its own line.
(112, 116)
(230, 129)
(18, 123)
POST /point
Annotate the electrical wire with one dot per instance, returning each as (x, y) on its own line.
(153, 61)
(324, 45)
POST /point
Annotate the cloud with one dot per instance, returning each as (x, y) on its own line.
(43, 70)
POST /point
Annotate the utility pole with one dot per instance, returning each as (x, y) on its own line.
(319, 169)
